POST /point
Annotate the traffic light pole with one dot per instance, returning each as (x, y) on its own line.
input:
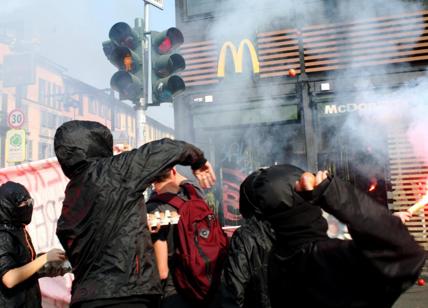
(148, 58)
(141, 122)
(146, 63)
(141, 106)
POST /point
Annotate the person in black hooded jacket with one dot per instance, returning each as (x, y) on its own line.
(103, 223)
(19, 285)
(308, 269)
(245, 273)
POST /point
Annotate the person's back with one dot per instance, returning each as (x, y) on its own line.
(167, 243)
(103, 225)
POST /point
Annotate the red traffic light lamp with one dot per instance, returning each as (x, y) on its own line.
(165, 64)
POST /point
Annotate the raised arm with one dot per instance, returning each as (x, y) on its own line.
(142, 165)
(380, 236)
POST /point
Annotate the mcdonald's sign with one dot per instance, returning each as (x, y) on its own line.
(237, 57)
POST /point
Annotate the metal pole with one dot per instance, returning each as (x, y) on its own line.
(148, 53)
(141, 121)
(141, 105)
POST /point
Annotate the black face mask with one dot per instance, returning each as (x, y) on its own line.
(23, 214)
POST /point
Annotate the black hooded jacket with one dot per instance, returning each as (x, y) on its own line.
(308, 269)
(16, 248)
(103, 225)
(245, 273)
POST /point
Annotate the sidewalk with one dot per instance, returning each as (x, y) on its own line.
(415, 297)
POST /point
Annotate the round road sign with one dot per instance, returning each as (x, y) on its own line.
(16, 118)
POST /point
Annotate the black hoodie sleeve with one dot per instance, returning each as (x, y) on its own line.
(380, 236)
(7, 247)
(142, 165)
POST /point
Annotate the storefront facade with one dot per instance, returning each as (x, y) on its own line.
(316, 96)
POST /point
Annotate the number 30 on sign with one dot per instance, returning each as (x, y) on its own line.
(16, 118)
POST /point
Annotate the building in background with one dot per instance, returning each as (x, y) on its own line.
(310, 83)
(37, 96)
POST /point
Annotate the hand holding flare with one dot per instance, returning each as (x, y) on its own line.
(418, 205)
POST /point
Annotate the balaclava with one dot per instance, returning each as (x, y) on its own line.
(270, 193)
(11, 196)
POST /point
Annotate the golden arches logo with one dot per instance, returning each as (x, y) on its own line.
(237, 57)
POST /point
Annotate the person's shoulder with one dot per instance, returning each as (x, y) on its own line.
(195, 185)
(252, 230)
(155, 205)
(244, 230)
(7, 241)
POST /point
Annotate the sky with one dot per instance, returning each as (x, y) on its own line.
(70, 33)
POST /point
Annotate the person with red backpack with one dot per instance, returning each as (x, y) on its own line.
(189, 254)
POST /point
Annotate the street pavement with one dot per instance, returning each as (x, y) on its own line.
(415, 297)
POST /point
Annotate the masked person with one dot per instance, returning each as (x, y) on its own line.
(103, 223)
(245, 273)
(308, 269)
(18, 263)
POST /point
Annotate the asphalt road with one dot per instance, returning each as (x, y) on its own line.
(415, 297)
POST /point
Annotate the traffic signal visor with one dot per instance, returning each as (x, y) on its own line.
(165, 63)
(166, 41)
(125, 52)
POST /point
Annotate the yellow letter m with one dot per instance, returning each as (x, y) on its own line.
(237, 57)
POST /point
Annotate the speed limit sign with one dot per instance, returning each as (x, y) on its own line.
(16, 118)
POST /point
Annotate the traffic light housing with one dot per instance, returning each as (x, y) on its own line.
(124, 50)
(165, 64)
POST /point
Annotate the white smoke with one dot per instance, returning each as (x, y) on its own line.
(236, 20)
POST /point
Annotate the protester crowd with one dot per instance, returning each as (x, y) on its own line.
(170, 251)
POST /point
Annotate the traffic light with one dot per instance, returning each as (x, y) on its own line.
(124, 50)
(165, 63)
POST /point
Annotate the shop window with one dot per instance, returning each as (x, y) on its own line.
(29, 150)
(200, 7)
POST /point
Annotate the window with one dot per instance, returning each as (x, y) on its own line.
(3, 109)
(49, 94)
(43, 150)
(198, 7)
(3, 103)
(29, 150)
(42, 91)
(93, 105)
(204, 8)
(56, 92)
(50, 120)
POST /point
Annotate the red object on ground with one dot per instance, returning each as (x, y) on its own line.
(292, 72)
(421, 282)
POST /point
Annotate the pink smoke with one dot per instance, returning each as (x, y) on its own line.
(418, 137)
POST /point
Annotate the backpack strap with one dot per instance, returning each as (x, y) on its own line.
(171, 199)
(191, 191)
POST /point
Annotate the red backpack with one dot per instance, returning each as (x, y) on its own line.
(202, 246)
